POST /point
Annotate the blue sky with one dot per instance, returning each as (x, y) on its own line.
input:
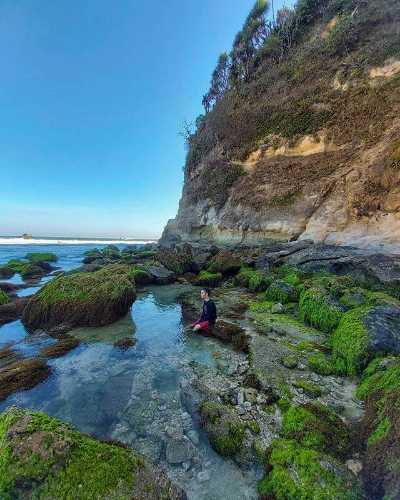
(92, 96)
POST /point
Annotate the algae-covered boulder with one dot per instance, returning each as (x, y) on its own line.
(298, 472)
(21, 375)
(41, 257)
(316, 426)
(178, 259)
(92, 256)
(205, 278)
(282, 292)
(160, 274)
(81, 299)
(41, 457)
(225, 263)
(224, 429)
(11, 311)
(6, 272)
(380, 428)
(140, 276)
(363, 333)
(60, 348)
(234, 334)
(320, 309)
(255, 281)
(111, 252)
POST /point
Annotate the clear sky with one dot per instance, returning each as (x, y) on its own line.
(93, 94)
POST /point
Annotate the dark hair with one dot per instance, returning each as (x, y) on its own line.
(207, 290)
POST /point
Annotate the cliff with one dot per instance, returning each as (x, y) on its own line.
(309, 146)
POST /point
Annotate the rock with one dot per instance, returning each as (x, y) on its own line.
(289, 361)
(125, 343)
(364, 332)
(225, 263)
(229, 332)
(205, 278)
(203, 476)
(9, 287)
(178, 259)
(250, 395)
(81, 299)
(6, 272)
(37, 451)
(21, 375)
(179, 450)
(277, 308)
(282, 292)
(355, 466)
(160, 274)
(60, 348)
(194, 437)
(12, 310)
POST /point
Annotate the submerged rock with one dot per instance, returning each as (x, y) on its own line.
(125, 343)
(21, 375)
(179, 450)
(42, 457)
(60, 348)
(81, 299)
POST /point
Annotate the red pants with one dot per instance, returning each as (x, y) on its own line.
(204, 325)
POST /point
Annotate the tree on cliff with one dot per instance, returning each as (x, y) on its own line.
(219, 82)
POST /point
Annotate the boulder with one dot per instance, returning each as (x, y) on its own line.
(229, 332)
(224, 262)
(280, 291)
(161, 275)
(42, 457)
(6, 272)
(205, 278)
(81, 299)
(12, 310)
(179, 450)
(365, 332)
(178, 259)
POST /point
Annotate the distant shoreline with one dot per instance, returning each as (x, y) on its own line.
(45, 240)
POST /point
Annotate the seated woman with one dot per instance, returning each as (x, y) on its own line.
(208, 315)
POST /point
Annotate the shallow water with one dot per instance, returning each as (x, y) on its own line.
(135, 396)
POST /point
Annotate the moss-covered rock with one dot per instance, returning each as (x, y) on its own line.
(41, 257)
(4, 298)
(21, 375)
(320, 309)
(28, 269)
(41, 457)
(111, 252)
(206, 278)
(225, 430)
(140, 276)
(178, 259)
(312, 390)
(320, 364)
(225, 263)
(92, 255)
(363, 333)
(81, 299)
(234, 334)
(6, 272)
(316, 426)
(255, 281)
(298, 472)
(380, 428)
(280, 291)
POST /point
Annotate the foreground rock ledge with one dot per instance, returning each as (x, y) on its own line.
(42, 457)
(81, 299)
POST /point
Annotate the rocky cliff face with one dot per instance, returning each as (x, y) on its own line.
(310, 149)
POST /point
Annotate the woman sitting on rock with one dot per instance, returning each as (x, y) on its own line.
(208, 315)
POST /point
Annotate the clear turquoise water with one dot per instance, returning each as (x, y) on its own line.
(135, 395)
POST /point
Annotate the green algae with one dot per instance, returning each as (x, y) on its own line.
(318, 310)
(255, 281)
(280, 291)
(320, 364)
(139, 275)
(350, 341)
(4, 298)
(41, 257)
(308, 387)
(299, 472)
(206, 278)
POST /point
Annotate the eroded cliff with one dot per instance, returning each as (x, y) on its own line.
(309, 147)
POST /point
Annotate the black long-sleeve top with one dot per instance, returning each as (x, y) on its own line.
(209, 312)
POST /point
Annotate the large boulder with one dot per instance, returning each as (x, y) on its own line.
(365, 332)
(160, 274)
(224, 262)
(81, 299)
(12, 310)
(231, 333)
(178, 259)
(42, 457)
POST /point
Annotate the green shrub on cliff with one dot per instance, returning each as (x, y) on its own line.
(41, 457)
(4, 298)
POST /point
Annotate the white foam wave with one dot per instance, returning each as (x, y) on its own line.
(61, 241)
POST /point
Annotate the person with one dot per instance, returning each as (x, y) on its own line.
(208, 314)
